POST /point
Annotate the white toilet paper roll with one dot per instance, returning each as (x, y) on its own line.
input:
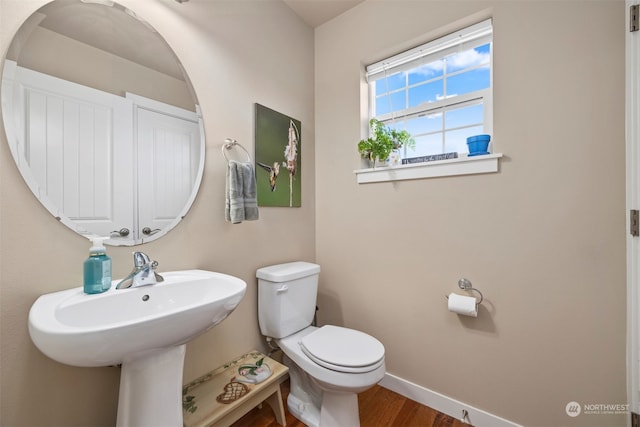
(463, 305)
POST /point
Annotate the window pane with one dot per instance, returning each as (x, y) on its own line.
(388, 103)
(390, 83)
(383, 105)
(425, 124)
(428, 92)
(484, 50)
(399, 125)
(456, 140)
(426, 72)
(468, 82)
(468, 58)
(426, 145)
(464, 116)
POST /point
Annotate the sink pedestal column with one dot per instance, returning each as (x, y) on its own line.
(151, 389)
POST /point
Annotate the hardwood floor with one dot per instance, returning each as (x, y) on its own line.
(379, 407)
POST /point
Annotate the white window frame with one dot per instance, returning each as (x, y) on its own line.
(467, 38)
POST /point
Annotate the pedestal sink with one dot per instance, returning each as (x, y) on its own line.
(144, 329)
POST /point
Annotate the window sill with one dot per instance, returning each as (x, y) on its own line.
(452, 167)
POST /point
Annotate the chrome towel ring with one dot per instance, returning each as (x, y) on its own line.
(229, 143)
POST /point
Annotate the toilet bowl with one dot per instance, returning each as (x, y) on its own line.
(340, 378)
(328, 365)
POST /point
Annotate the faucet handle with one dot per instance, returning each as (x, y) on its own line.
(140, 259)
(159, 277)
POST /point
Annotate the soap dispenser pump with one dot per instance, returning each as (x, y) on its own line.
(97, 268)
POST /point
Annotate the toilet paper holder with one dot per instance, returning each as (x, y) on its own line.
(466, 285)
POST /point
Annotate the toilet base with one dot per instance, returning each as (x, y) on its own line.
(339, 410)
(315, 407)
(304, 396)
(306, 413)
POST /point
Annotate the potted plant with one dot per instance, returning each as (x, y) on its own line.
(383, 141)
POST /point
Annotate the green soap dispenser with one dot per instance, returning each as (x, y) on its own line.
(97, 268)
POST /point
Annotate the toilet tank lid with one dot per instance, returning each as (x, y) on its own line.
(288, 271)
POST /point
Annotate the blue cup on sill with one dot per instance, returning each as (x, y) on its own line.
(478, 145)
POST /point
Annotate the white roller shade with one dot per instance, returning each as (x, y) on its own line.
(468, 38)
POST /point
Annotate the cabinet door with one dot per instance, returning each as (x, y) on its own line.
(77, 150)
(168, 155)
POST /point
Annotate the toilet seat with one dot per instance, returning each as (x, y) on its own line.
(343, 350)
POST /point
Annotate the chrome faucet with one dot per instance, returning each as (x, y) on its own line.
(143, 272)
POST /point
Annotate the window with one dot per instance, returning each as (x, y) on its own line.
(440, 92)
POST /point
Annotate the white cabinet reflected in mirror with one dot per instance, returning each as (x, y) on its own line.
(102, 121)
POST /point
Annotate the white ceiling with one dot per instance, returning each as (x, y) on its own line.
(317, 12)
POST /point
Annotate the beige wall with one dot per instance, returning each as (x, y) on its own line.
(544, 238)
(237, 54)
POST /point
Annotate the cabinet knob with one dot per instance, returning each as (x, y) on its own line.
(149, 232)
(123, 232)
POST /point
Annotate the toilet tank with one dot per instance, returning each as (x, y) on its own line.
(286, 297)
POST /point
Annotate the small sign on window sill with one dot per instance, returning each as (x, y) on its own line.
(431, 158)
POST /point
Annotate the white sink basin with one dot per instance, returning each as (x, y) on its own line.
(105, 329)
(143, 328)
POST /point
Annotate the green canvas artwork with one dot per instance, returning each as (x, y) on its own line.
(278, 158)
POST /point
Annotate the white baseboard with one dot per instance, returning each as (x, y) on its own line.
(442, 403)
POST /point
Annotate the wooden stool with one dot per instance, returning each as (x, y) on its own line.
(227, 393)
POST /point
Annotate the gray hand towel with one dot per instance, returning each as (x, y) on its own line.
(241, 202)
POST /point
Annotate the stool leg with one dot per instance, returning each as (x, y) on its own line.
(275, 401)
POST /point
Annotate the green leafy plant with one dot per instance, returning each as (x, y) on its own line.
(383, 141)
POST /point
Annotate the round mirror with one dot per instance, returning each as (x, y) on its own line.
(102, 121)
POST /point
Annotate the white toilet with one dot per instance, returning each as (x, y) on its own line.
(328, 366)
